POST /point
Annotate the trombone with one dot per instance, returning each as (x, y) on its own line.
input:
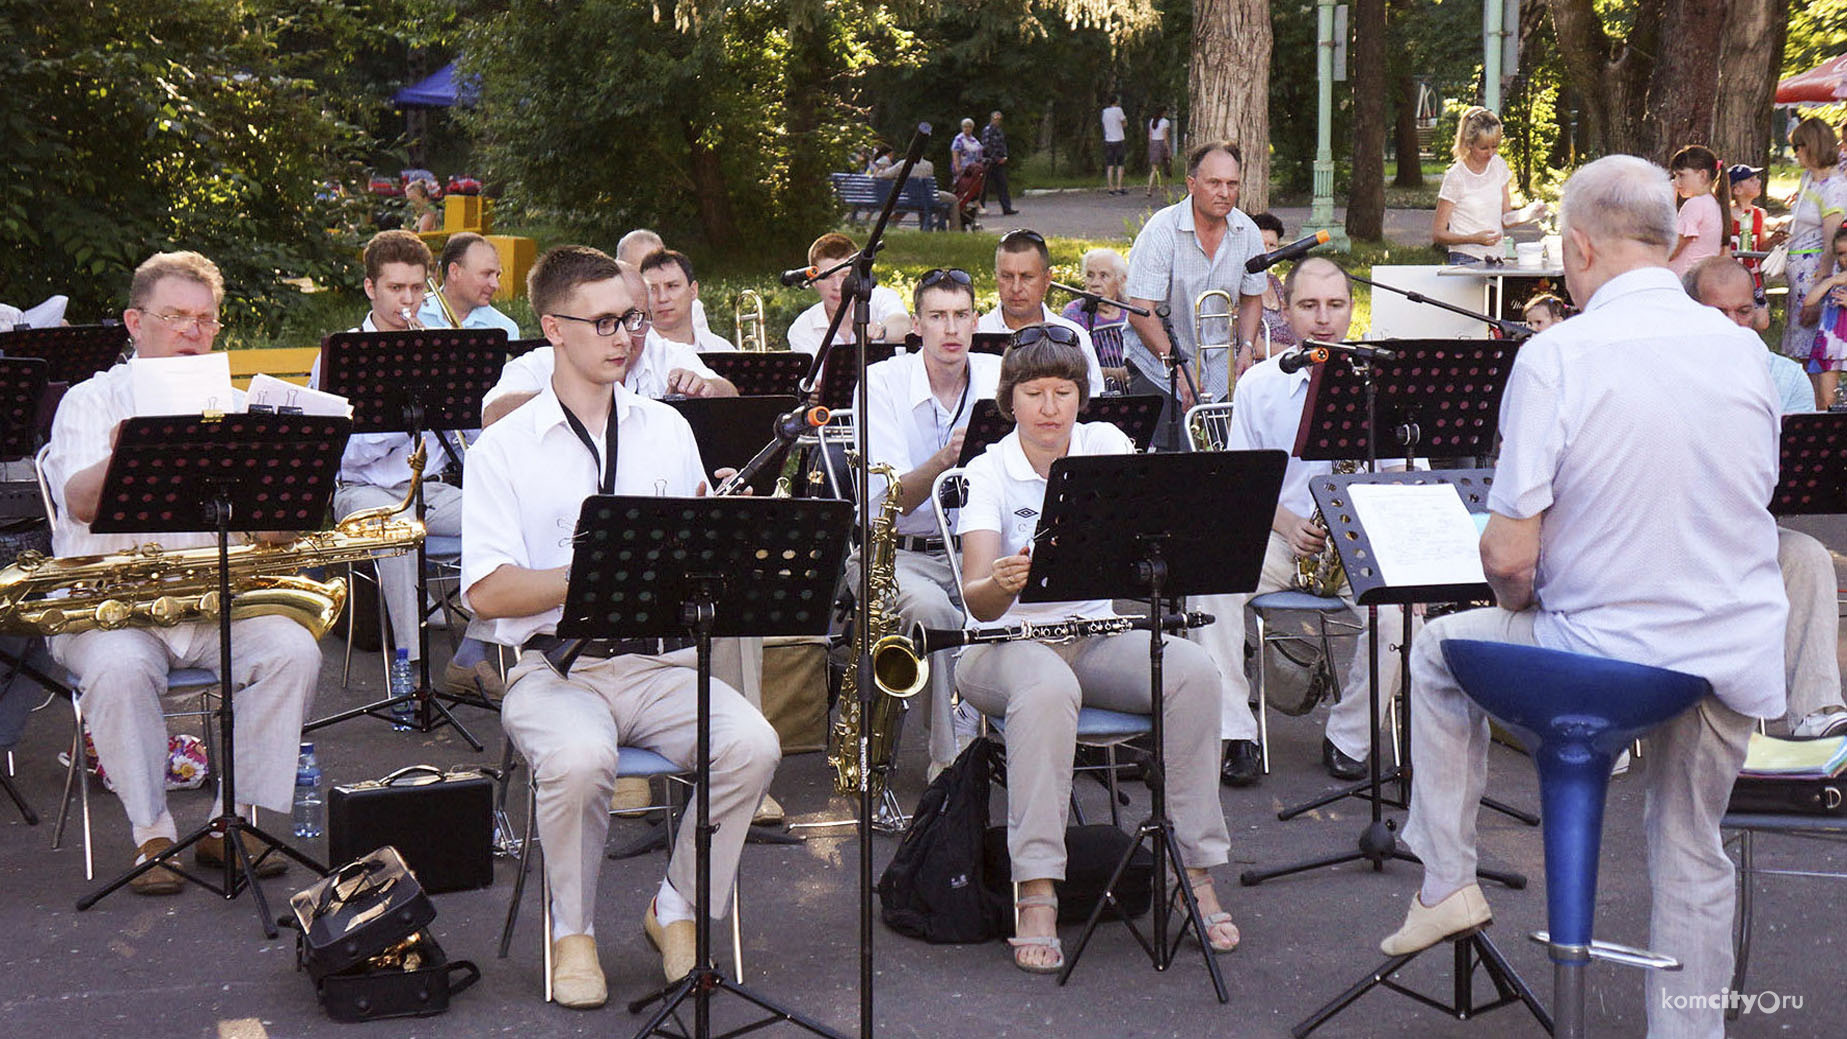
(1204, 348)
(442, 302)
(747, 318)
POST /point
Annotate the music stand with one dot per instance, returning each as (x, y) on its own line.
(517, 348)
(1111, 527)
(758, 374)
(725, 567)
(191, 473)
(409, 382)
(22, 383)
(1137, 415)
(730, 430)
(840, 375)
(1812, 472)
(74, 352)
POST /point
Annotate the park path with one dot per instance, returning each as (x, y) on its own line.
(1075, 213)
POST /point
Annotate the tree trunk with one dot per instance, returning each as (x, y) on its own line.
(1228, 88)
(1751, 55)
(1410, 161)
(1613, 75)
(805, 190)
(1684, 93)
(709, 191)
(1366, 201)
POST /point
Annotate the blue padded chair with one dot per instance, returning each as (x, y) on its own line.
(1574, 714)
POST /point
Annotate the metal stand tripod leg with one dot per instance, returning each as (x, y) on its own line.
(1473, 951)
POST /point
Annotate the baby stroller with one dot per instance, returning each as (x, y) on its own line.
(968, 193)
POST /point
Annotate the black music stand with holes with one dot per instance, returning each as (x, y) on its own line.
(840, 376)
(1812, 471)
(74, 352)
(22, 383)
(1109, 528)
(1138, 415)
(191, 473)
(521, 347)
(706, 567)
(758, 374)
(410, 382)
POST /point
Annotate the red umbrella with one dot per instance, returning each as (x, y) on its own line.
(1824, 83)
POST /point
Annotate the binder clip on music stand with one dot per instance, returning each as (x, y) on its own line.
(725, 567)
(187, 473)
(410, 382)
(1112, 526)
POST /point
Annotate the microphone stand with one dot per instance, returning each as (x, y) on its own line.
(1093, 300)
(1173, 427)
(1510, 329)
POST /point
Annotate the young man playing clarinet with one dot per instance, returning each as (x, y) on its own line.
(586, 433)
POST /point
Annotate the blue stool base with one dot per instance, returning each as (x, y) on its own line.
(1473, 951)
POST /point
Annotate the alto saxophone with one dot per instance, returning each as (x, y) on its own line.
(1322, 573)
(898, 672)
(152, 587)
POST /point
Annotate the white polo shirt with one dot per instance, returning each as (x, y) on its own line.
(1266, 413)
(906, 424)
(1005, 494)
(531, 372)
(805, 331)
(1655, 543)
(995, 321)
(705, 341)
(528, 477)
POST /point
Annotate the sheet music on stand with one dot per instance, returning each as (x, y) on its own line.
(1408, 537)
(1137, 415)
(759, 374)
(1812, 472)
(1446, 392)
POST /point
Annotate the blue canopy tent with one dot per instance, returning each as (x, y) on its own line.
(439, 90)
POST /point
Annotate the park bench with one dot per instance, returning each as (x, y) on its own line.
(857, 192)
(288, 363)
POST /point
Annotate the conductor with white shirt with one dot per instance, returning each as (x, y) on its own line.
(1023, 275)
(1628, 520)
(587, 433)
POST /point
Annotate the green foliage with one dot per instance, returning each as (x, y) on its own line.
(1817, 32)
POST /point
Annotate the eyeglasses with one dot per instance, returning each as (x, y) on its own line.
(634, 321)
(938, 275)
(1033, 333)
(1023, 232)
(186, 324)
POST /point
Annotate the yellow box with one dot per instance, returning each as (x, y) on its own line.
(516, 257)
(462, 213)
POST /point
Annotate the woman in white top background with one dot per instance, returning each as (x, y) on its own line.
(1160, 148)
(1475, 204)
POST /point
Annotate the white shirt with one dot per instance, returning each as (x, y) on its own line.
(699, 321)
(906, 424)
(531, 372)
(1655, 543)
(380, 459)
(1005, 495)
(431, 315)
(705, 341)
(805, 331)
(995, 321)
(1266, 414)
(1157, 129)
(1477, 200)
(1113, 123)
(528, 478)
(81, 437)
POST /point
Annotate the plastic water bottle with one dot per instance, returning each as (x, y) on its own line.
(309, 805)
(403, 683)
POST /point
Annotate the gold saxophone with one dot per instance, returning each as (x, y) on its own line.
(899, 671)
(150, 586)
(1322, 573)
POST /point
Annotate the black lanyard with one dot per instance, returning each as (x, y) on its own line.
(968, 377)
(605, 462)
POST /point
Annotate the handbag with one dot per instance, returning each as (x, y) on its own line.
(442, 821)
(1776, 263)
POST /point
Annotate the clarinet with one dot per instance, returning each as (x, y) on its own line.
(936, 640)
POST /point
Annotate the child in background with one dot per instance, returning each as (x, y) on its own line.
(1702, 184)
(1828, 301)
(1543, 311)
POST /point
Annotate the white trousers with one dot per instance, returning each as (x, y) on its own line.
(1224, 640)
(1689, 766)
(397, 575)
(1038, 687)
(927, 595)
(1812, 671)
(122, 675)
(569, 730)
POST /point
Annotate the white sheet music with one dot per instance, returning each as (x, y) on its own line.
(186, 385)
(1421, 534)
(268, 393)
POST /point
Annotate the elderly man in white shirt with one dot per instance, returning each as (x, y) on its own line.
(471, 276)
(917, 414)
(1628, 520)
(172, 311)
(583, 434)
(890, 321)
(1266, 413)
(1023, 273)
(672, 293)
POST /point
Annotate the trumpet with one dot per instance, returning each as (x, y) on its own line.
(442, 302)
(747, 317)
(898, 662)
(410, 319)
(1204, 349)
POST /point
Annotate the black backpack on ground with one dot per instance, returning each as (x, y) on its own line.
(933, 889)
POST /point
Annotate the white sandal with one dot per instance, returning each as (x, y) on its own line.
(1041, 941)
(1212, 920)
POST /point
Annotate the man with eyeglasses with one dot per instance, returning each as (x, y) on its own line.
(471, 276)
(121, 675)
(1200, 243)
(1023, 273)
(586, 433)
(917, 409)
(654, 367)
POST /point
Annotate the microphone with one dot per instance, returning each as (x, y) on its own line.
(1293, 251)
(799, 276)
(794, 423)
(1300, 359)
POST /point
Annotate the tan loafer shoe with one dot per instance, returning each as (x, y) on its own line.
(769, 812)
(160, 880)
(480, 680)
(677, 942)
(632, 798)
(1463, 911)
(577, 976)
(210, 851)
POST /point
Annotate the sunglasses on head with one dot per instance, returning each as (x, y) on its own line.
(1033, 333)
(1023, 232)
(938, 275)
